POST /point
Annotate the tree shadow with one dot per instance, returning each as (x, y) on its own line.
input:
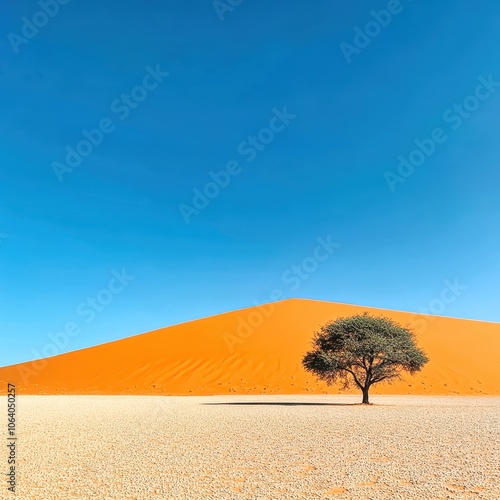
(276, 403)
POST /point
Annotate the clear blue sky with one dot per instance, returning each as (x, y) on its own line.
(322, 174)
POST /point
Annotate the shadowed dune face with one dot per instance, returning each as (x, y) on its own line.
(259, 351)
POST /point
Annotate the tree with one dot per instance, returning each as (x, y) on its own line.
(363, 350)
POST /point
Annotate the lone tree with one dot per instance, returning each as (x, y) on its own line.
(363, 350)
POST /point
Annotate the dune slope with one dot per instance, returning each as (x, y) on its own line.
(259, 350)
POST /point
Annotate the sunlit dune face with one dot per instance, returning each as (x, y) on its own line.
(259, 351)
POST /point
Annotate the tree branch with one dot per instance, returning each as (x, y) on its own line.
(379, 379)
(358, 383)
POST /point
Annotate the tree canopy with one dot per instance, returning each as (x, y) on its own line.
(363, 350)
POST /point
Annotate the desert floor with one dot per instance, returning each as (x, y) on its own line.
(257, 447)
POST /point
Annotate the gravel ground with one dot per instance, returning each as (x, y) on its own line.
(257, 447)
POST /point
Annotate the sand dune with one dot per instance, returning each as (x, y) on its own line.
(258, 351)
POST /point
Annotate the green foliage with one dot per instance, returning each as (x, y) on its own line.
(363, 350)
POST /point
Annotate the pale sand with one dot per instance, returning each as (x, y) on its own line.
(262, 447)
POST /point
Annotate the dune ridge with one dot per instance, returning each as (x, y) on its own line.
(258, 351)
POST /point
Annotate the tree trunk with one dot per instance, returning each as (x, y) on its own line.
(365, 396)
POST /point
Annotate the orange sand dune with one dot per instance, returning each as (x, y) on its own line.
(259, 350)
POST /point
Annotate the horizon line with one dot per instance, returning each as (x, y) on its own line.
(243, 309)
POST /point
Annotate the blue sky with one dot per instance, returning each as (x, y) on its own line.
(323, 174)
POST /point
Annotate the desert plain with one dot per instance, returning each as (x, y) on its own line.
(258, 447)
